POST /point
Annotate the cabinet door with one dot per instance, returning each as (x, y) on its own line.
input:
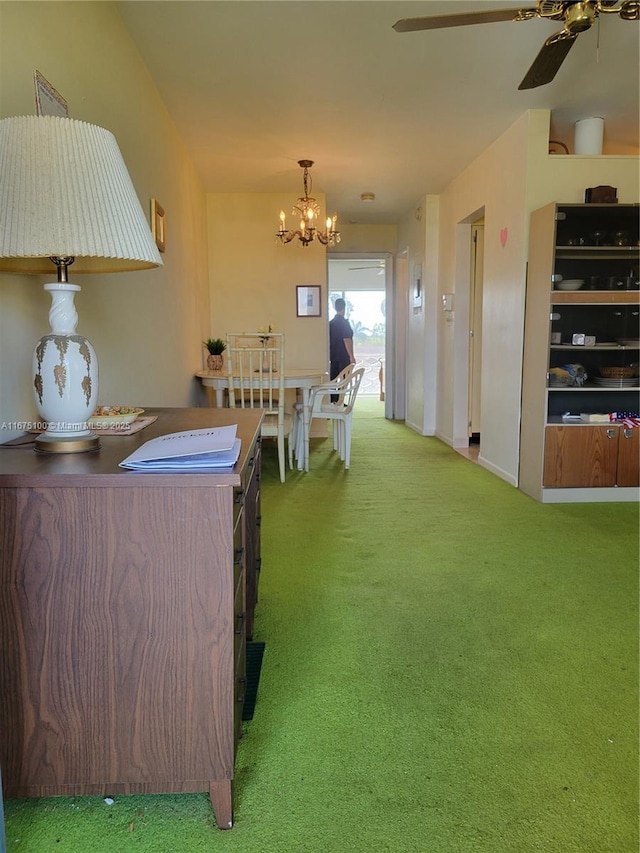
(629, 457)
(580, 457)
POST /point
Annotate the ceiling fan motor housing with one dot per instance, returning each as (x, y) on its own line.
(580, 17)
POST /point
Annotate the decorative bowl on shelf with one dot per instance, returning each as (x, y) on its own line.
(570, 284)
(106, 417)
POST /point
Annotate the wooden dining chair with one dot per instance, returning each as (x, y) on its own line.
(255, 371)
(345, 387)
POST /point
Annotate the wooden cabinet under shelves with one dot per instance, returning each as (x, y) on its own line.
(581, 336)
(591, 456)
(123, 617)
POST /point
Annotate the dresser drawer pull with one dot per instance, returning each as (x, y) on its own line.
(238, 498)
(611, 433)
(239, 629)
(627, 433)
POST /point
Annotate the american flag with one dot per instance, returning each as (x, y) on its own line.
(628, 419)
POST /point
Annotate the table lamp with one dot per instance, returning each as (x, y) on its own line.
(66, 198)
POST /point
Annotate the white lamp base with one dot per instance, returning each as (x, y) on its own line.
(65, 378)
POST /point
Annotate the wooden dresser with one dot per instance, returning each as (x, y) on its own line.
(125, 603)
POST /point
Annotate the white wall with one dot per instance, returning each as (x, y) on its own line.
(147, 327)
(418, 238)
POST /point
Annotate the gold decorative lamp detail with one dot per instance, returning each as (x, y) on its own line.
(66, 198)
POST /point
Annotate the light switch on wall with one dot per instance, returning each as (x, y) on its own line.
(447, 301)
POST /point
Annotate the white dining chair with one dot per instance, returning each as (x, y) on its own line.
(345, 387)
(296, 441)
(255, 370)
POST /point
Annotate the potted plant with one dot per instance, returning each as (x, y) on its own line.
(215, 348)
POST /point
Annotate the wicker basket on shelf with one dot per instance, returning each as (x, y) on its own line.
(619, 372)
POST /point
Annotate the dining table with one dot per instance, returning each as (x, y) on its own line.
(300, 379)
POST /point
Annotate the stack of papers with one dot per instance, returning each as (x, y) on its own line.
(215, 448)
(595, 419)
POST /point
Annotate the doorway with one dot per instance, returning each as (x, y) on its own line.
(475, 332)
(362, 281)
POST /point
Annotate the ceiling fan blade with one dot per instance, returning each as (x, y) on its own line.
(409, 25)
(548, 61)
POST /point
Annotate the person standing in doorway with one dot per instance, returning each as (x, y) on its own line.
(340, 341)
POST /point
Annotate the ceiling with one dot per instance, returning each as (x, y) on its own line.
(253, 87)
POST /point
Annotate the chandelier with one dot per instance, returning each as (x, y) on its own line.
(308, 210)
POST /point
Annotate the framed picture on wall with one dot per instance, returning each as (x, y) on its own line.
(49, 102)
(308, 301)
(157, 224)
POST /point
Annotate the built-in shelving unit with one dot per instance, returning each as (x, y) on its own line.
(582, 350)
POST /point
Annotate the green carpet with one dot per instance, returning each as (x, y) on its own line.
(452, 668)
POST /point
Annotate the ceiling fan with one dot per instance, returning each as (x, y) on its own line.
(576, 17)
(379, 267)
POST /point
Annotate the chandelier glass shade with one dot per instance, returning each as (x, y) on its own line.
(307, 210)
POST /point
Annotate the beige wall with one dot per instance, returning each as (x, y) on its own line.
(559, 177)
(505, 183)
(494, 184)
(366, 238)
(147, 327)
(253, 277)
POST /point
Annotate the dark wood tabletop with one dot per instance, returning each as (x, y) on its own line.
(20, 464)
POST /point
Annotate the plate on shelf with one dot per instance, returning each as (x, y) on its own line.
(106, 417)
(616, 383)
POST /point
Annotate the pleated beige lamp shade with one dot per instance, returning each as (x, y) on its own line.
(65, 191)
(66, 199)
